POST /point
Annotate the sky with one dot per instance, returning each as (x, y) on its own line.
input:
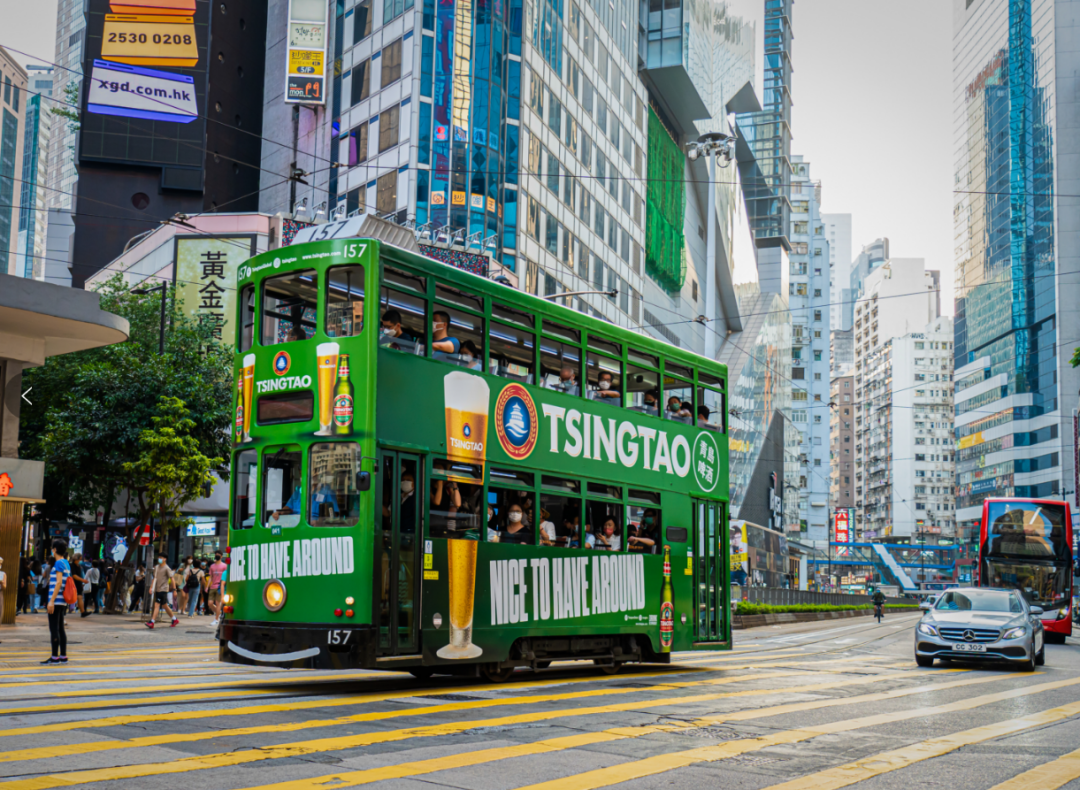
(872, 91)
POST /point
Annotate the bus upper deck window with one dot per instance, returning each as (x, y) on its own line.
(345, 301)
(289, 307)
(402, 322)
(678, 400)
(247, 477)
(643, 390)
(247, 317)
(604, 377)
(512, 353)
(710, 409)
(457, 337)
(334, 469)
(560, 367)
(282, 495)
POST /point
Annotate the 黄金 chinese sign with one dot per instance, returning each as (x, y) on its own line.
(205, 276)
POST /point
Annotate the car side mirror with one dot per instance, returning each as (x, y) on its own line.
(1036, 609)
(363, 481)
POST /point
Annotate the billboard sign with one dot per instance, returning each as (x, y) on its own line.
(205, 274)
(136, 92)
(305, 75)
(842, 526)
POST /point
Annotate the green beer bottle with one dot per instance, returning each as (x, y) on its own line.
(342, 418)
(667, 606)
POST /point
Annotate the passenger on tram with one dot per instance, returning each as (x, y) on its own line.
(703, 415)
(392, 335)
(567, 380)
(678, 409)
(607, 539)
(605, 387)
(296, 331)
(517, 529)
(643, 536)
(442, 345)
(470, 356)
(652, 403)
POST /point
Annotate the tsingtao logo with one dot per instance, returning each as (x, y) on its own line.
(515, 421)
(282, 361)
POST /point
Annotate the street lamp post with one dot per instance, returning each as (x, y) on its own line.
(164, 293)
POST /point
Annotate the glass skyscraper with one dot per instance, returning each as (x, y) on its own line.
(1016, 322)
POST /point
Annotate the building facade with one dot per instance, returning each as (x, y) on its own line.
(33, 215)
(838, 233)
(869, 259)
(61, 159)
(13, 79)
(810, 352)
(900, 301)
(841, 410)
(1016, 318)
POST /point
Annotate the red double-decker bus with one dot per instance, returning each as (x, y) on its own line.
(1026, 545)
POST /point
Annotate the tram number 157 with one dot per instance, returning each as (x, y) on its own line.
(338, 637)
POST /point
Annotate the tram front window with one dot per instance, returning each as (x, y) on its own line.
(332, 489)
(290, 305)
(282, 495)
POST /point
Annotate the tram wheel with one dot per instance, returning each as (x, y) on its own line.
(496, 674)
(608, 669)
(422, 673)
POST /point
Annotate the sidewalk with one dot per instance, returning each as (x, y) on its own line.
(100, 632)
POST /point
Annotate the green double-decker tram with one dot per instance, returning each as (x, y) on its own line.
(437, 473)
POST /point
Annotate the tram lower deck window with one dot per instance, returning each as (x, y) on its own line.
(284, 408)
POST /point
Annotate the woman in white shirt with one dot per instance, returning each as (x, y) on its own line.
(607, 539)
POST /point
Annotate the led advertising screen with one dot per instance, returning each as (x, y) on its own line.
(305, 75)
(146, 93)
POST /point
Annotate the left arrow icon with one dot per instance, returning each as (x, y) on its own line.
(26, 398)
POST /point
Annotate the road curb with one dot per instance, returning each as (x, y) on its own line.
(743, 621)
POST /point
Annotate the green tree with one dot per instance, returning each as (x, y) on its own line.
(94, 404)
(1075, 358)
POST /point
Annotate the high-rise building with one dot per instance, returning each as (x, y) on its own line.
(1016, 317)
(838, 233)
(872, 256)
(842, 349)
(900, 380)
(810, 353)
(61, 159)
(12, 139)
(33, 215)
(841, 410)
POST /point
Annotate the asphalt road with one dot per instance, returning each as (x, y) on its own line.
(807, 706)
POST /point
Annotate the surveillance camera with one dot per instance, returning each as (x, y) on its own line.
(694, 153)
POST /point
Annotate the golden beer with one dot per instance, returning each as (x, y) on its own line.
(466, 398)
(462, 561)
(327, 354)
(249, 389)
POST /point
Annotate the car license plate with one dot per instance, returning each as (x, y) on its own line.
(969, 647)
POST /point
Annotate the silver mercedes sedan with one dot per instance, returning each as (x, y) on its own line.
(981, 624)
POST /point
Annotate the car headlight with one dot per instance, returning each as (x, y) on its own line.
(274, 595)
(1063, 612)
(927, 629)
(1015, 633)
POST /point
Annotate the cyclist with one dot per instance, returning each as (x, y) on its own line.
(879, 604)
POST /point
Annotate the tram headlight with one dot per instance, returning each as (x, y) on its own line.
(274, 595)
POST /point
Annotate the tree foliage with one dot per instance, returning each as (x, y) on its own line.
(93, 405)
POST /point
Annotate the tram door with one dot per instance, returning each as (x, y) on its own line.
(708, 571)
(397, 595)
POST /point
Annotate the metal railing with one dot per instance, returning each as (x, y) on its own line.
(778, 596)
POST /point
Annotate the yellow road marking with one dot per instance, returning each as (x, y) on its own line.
(324, 702)
(116, 703)
(135, 689)
(454, 761)
(651, 766)
(301, 748)
(1049, 776)
(143, 668)
(886, 762)
(135, 651)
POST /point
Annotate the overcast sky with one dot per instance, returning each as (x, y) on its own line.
(872, 94)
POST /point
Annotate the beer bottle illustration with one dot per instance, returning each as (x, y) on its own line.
(240, 408)
(667, 606)
(343, 400)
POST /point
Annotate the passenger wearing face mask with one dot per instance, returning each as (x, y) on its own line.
(567, 380)
(605, 387)
(676, 410)
(443, 346)
(651, 403)
(641, 538)
(517, 530)
(492, 525)
(392, 335)
(407, 507)
(470, 356)
(163, 583)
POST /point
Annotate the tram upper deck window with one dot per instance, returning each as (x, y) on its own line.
(678, 400)
(643, 390)
(458, 338)
(247, 478)
(282, 479)
(345, 301)
(333, 470)
(403, 322)
(604, 377)
(512, 315)
(560, 513)
(289, 307)
(560, 366)
(247, 317)
(512, 353)
(710, 409)
(604, 526)
(643, 522)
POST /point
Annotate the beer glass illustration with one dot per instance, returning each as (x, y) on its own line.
(249, 388)
(327, 354)
(462, 559)
(466, 399)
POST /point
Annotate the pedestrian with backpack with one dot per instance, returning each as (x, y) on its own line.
(193, 583)
(61, 594)
(163, 583)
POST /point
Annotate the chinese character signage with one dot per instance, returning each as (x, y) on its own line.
(305, 75)
(205, 275)
(842, 526)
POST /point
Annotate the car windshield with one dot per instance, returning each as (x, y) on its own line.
(979, 601)
(1045, 585)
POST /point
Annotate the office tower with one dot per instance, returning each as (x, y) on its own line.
(838, 234)
(12, 121)
(33, 215)
(841, 410)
